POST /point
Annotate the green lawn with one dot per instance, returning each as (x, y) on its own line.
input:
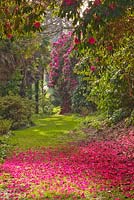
(48, 131)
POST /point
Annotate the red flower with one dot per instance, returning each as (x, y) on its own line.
(92, 68)
(91, 40)
(97, 2)
(76, 40)
(9, 36)
(112, 6)
(37, 24)
(109, 48)
(69, 2)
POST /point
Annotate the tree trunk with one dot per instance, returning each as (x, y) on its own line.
(66, 104)
(37, 96)
(23, 87)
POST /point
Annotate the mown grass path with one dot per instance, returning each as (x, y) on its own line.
(48, 131)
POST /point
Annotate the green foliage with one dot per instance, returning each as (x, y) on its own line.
(47, 105)
(107, 94)
(21, 17)
(55, 97)
(130, 120)
(94, 120)
(3, 150)
(114, 80)
(4, 147)
(80, 104)
(105, 54)
(16, 109)
(119, 115)
(132, 116)
(96, 16)
(57, 110)
(12, 85)
(5, 126)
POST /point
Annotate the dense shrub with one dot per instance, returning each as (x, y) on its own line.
(80, 104)
(108, 71)
(5, 147)
(47, 105)
(130, 120)
(119, 115)
(112, 87)
(5, 126)
(16, 109)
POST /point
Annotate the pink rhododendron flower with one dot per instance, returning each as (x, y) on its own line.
(128, 195)
(112, 6)
(37, 25)
(92, 68)
(97, 2)
(91, 40)
(76, 40)
(109, 48)
(9, 36)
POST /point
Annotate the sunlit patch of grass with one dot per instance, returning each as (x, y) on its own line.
(48, 131)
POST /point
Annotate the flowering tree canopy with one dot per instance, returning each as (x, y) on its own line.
(19, 17)
(61, 69)
(92, 15)
(22, 16)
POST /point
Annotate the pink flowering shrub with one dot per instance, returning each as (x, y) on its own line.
(61, 70)
(80, 171)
